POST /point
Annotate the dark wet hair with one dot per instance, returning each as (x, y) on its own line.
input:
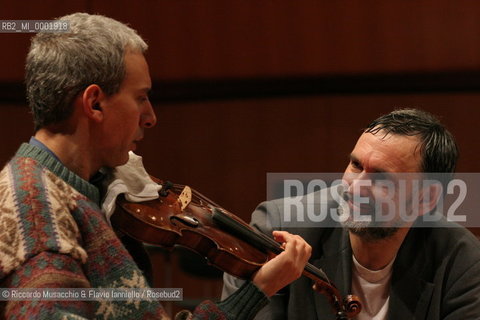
(439, 150)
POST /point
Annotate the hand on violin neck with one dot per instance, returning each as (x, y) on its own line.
(285, 267)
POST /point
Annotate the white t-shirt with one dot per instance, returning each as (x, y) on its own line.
(372, 287)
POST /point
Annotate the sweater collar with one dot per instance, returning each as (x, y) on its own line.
(51, 162)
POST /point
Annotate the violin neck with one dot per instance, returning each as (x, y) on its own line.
(256, 238)
(260, 240)
(245, 232)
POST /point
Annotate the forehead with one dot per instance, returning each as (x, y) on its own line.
(137, 75)
(388, 153)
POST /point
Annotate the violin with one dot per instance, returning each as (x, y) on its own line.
(183, 216)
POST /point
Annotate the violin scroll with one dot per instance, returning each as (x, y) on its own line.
(345, 309)
(352, 305)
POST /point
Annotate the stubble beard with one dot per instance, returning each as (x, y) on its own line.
(367, 230)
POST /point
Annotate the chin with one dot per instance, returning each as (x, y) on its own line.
(123, 161)
(118, 161)
(367, 230)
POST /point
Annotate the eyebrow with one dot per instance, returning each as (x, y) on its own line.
(145, 90)
(375, 170)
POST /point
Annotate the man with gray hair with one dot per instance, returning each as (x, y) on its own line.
(88, 92)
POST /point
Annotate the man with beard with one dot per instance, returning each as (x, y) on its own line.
(401, 267)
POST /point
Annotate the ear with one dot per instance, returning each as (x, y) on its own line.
(430, 196)
(92, 99)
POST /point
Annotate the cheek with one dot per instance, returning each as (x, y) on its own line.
(348, 175)
(131, 119)
(124, 129)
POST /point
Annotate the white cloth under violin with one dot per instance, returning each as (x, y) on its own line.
(132, 180)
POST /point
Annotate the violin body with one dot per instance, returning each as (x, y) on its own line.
(186, 218)
(162, 222)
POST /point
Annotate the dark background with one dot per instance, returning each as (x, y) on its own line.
(246, 87)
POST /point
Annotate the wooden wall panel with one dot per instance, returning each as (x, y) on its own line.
(271, 38)
(225, 149)
(224, 39)
(16, 126)
(14, 46)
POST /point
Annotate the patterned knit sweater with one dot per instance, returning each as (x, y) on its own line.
(53, 235)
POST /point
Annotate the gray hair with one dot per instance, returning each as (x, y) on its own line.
(61, 65)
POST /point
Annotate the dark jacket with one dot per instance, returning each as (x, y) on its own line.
(436, 274)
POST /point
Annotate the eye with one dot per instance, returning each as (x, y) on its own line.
(143, 98)
(356, 165)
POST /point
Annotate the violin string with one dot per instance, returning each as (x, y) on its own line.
(260, 240)
(198, 195)
(272, 245)
(309, 267)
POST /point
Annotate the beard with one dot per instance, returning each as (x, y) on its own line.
(372, 234)
(367, 230)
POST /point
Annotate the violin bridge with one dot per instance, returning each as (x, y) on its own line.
(185, 197)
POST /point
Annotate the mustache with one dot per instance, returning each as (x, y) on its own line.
(355, 200)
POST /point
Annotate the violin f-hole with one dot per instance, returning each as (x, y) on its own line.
(186, 220)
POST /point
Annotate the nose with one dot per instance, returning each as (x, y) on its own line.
(148, 118)
(358, 183)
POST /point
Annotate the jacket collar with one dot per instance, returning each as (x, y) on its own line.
(410, 291)
(336, 262)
